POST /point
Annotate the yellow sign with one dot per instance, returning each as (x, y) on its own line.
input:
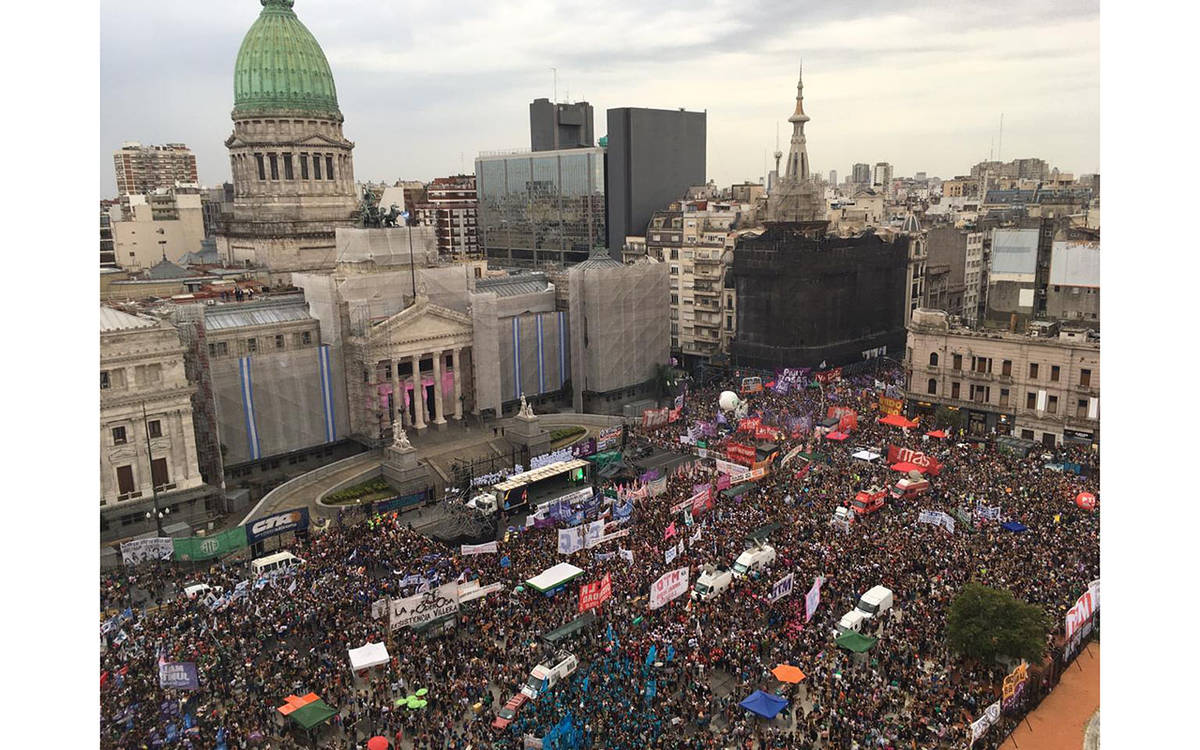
(892, 406)
(1018, 676)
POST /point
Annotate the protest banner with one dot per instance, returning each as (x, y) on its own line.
(937, 518)
(208, 547)
(812, 599)
(657, 487)
(896, 455)
(752, 385)
(593, 534)
(1085, 606)
(139, 551)
(584, 448)
(180, 675)
(655, 417)
(740, 453)
(669, 586)
(1014, 684)
(422, 608)
(701, 501)
(478, 549)
(828, 376)
(890, 406)
(275, 524)
(980, 726)
(592, 595)
(782, 587)
(727, 467)
(670, 553)
(570, 540)
(749, 424)
(609, 438)
(379, 609)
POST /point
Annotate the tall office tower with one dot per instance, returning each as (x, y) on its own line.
(860, 174)
(653, 157)
(833, 178)
(554, 126)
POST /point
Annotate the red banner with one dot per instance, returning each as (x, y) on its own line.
(673, 415)
(847, 418)
(655, 417)
(741, 454)
(722, 482)
(750, 424)
(592, 595)
(701, 501)
(762, 432)
(828, 376)
(897, 455)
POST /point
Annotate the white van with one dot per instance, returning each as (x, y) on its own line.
(194, 590)
(711, 584)
(271, 563)
(755, 559)
(852, 620)
(875, 602)
(548, 674)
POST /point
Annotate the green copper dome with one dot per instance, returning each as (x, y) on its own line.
(280, 66)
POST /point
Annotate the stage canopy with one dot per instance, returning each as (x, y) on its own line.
(856, 642)
(936, 434)
(865, 455)
(764, 704)
(836, 436)
(895, 420)
(370, 655)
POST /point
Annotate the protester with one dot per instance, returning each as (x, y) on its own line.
(290, 636)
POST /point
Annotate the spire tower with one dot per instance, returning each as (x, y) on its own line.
(797, 166)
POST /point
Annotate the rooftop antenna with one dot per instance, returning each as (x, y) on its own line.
(555, 84)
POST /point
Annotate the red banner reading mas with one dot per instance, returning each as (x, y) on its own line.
(896, 455)
(741, 454)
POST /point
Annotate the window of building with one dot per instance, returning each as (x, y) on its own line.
(274, 166)
(933, 359)
(104, 380)
(118, 435)
(1033, 370)
(316, 166)
(955, 389)
(932, 387)
(1055, 370)
(304, 166)
(1027, 434)
(957, 361)
(262, 172)
(125, 480)
(222, 348)
(728, 322)
(1004, 397)
(329, 167)
(279, 341)
(287, 167)
(155, 427)
(1085, 378)
(1081, 408)
(1006, 367)
(251, 345)
(1031, 401)
(306, 338)
(1052, 405)
(158, 473)
(674, 254)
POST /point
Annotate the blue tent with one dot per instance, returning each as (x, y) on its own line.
(764, 704)
(1015, 526)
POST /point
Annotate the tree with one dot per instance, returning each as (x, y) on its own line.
(948, 418)
(984, 623)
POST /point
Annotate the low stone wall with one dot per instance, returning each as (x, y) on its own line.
(566, 419)
(309, 479)
(329, 510)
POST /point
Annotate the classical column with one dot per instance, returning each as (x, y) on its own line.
(439, 416)
(457, 383)
(397, 400)
(418, 392)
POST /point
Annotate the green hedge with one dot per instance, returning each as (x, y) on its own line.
(564, 433)
(359, 490)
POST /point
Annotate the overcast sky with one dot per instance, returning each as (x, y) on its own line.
(424, 86)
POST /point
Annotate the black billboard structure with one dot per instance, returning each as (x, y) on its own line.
(807, 299)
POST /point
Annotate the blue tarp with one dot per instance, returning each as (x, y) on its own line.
(764, 704)
(1015, 526)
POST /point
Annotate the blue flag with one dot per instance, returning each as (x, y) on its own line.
(172, 733)
(651, 654)
(188, 721)
(505, 562)
(670, 652)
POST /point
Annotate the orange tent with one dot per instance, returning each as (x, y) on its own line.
(293, 703)
(788, 673)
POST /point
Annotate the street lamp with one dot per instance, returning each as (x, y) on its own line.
(157, 515)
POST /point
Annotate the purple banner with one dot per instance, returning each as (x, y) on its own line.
(584, 448)
(178, 674)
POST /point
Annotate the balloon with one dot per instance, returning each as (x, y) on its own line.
(728, 401)
(1086, 500)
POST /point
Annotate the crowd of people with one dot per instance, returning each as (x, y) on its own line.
(291, 635)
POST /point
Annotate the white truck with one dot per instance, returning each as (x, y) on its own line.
(548, 674)
(852, 620)
(484, 502)
(875, 602)
(754, 560)
(711, 583)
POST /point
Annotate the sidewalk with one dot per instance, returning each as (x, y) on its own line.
(1060, 722)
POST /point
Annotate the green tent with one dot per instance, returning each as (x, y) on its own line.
(856, 642)
(738, 489)
(312, 714)
(604, 459)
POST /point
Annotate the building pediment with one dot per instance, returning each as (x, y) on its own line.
(423, 323)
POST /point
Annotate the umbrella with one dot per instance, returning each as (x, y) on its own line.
(836, 436)
(377, 743)
(787, 673)
(906, 466)
(422, 692)
(937, 434)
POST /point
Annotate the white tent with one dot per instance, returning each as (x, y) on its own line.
(866, 455)
(370, 655)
